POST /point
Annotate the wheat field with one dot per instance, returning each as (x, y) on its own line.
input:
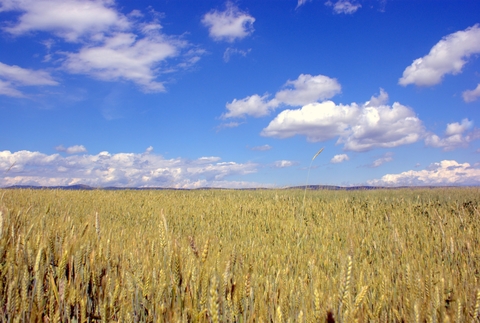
(400, 255)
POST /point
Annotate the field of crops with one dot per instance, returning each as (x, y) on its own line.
(240, 256)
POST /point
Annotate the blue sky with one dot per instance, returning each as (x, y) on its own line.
(239, 93)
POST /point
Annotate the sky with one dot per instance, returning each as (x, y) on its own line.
(239, 94)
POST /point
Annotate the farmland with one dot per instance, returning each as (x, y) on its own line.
(403, 255)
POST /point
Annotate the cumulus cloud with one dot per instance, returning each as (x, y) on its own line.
(12, 77)
(305, 89)
(344, 6)
(69, 19)
(359, 127)
(228, 25)
(119, 170)
(454, 136)
(448, 56)
(111, 46)
(339, 158)
(72, 149)
(283, 163)
(471, 95)
(446, 172)
(255, 105)
(261, 148)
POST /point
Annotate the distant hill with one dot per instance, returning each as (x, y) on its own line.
(81, 187)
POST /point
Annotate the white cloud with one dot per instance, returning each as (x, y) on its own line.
(111, 46)
(376, 101)
(471, 95)
(12, 77)
(454, 137)
(383, 127)
(122, 56)
(228, 25)
(69, 19)
(120, 170)
(261, 148)
(301, 3)
(380, 161)
(317, 121)
(446, 172)
(72, 149)
(339, 158)
(255, 105)
(234, 51)
(448, 56)
(344, 6)
(358, 127)
(305, 89)
(284, 163)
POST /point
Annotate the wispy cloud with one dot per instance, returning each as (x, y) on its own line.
(446, 172)
(344, 6)
(448, 56)
(72, 149)
(121, 170)
(454, 136)
(471, 95)
(230, 51)
(110, 46)
(261, 148)
(228, 25)
(301, 3)
(13, 77)
(388, 157)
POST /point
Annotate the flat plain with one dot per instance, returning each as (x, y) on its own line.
(398, 255)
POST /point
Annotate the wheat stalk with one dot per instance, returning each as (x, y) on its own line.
(306, 183)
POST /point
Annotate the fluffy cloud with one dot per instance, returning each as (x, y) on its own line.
(72, 149)
(344, 6)
(305, 89)
(120, 170)
(12, 77)
(317, 121)
(339, 159)
(255, 105)
(454, 137)
(228, 25)
(69, 19)
(359, 127)
(471, 95)
(446, 172)
(284, 163)
(111, 45)
(448, 56)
